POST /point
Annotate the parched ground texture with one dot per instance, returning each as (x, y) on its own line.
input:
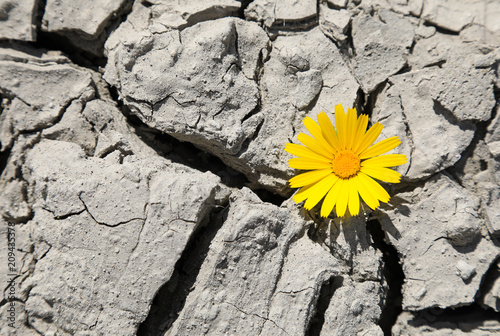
(143, 186)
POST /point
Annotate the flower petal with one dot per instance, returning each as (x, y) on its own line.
(314, 145)
(352, 123)
(303, 193)
(319, 190)
(328, 131)
(389, 160)
(365, 194)
(308, 164)
(331, 199)
(383, 174)
(369, 137)
(309, 177)
(342, 200)
(316, 132)
(360, 130)
(341, 123)
(374, 188)
(353, 198)
(299, 150)
(380, 148)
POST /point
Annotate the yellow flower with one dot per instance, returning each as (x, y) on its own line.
(343, 163)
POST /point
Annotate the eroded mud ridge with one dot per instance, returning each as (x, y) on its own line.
(143, 186)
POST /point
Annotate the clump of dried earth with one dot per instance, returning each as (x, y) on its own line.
(143, 175)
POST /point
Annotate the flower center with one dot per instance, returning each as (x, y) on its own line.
(346, 164)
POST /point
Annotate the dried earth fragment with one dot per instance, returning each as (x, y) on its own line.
(381, 44)
(129, 222)
(355, 308)
(479, 172)
(17, 19)
(29, 108)
(261, 239)
(198, 89)
(443, 242)
(429, 125)
(455, 15)
(405, 7)
(222, 115)
(85, 24)
(181, 14)
(282, 13)
(356, 300)
(334, 23)
(239, 276)
(292, 306)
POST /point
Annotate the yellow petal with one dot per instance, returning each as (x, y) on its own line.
(342, 200)
(383, 174)
(328, 131)
(303, 193)
(369, 137)
(316, 132)
(352, 121)
(304, 152)
(389, 160)
(309, 177)
(341, 123)
(308, 164)
(319, 190)
(380, 148)
(360, 130)
(374, 188)
(353, 198)
(314, 145)
(365, 194)
(331, 199)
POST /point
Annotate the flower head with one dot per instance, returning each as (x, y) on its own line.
(343, 163)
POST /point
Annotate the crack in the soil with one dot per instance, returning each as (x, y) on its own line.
(409, 134)
(302, 25)
(4, 158)
(64, 43)
(293, 292)
(185, 153)
(468, 319)
(322, 303)
(487, 283)
(106, 224)
(65, 216)
(171, 297)
(256, 315)
(393, 274)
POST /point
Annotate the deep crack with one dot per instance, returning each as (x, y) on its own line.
(4, 158)
(457, 171)
(326, 292)
(77, 55)
(487, 283)
(185, 153)
(469, 319)
(171, 297)
(393, 274)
